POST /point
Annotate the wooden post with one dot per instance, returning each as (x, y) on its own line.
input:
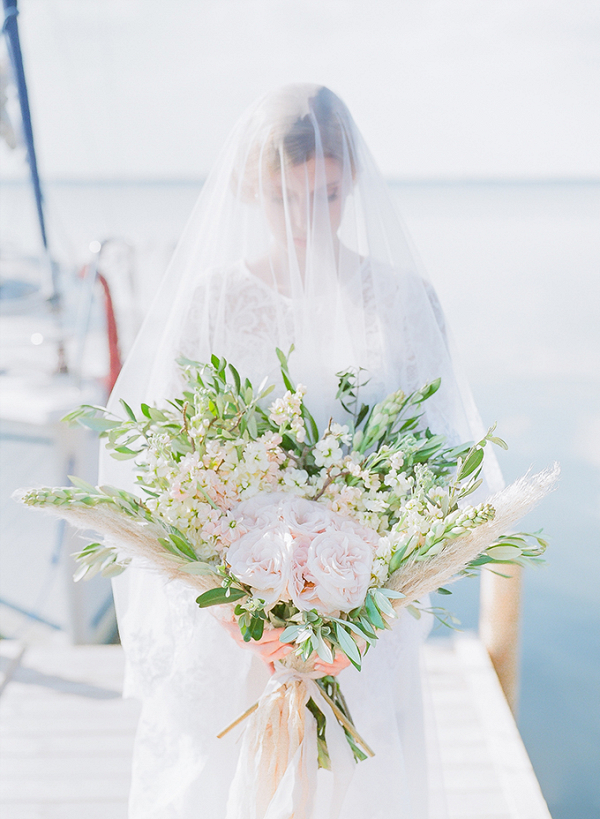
(499, 618)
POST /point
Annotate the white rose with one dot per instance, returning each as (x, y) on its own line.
(307, 517)
(363, 532)
(298, 548)
(340, 563)
(260, 510)
(302, 585)
(262, 560)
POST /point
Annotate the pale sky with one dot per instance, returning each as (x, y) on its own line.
(148, 89)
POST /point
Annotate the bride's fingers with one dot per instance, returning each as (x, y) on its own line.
(269, 648)
(334, 668)
(271, 636)
(273, 651)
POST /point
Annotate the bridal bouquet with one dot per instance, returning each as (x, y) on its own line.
(325, 535)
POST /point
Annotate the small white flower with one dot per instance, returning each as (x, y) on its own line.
(297, 427)
(399, 482)
(284, 409)
(375, 503)
(384, 549)
(327, 452)
(352, 465)
(341, 432)
(295, 480)
(255, 457)
(371, 480)
(379, 573)
(396, 461)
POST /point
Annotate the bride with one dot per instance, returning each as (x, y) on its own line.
(293, 241)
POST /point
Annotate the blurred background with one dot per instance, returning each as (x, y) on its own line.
(485, 120)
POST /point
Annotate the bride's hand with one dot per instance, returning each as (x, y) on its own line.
(339, 664)
(268, 647)
(332, 669)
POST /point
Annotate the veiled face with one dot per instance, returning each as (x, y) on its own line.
(304, 202)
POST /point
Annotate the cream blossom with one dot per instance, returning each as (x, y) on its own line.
(352, 464)
(283, 410)
(396, 460)
(297, 427)
(384, 549)
(225, 529)
(399, 482)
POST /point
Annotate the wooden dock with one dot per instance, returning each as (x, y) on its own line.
(67, 736)
(487, 772)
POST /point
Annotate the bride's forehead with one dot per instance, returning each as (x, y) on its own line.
(307, 176)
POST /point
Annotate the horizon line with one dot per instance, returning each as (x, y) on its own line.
(393, 180)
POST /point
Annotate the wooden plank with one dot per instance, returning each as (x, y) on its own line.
(10, 659)
(73, 810)
(18, 744)
(67, 736)
(509, 756)
(487, 773)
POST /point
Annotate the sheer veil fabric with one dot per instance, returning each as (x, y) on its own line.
(294, 240)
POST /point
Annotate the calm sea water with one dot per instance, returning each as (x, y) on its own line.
(517, 267)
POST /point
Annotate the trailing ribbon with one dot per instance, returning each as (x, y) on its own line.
(276, 776)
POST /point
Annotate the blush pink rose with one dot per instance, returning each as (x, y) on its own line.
(262, 559)
(261, 510)
(340, 563)
(308, 517)
(302, 584)
(298, 549)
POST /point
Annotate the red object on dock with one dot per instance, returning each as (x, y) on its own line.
(115, 362)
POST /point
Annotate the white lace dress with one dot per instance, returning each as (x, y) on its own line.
(194, 679)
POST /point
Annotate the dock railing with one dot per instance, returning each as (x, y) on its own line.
(499, 626)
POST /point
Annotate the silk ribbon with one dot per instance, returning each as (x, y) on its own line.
(277, 771)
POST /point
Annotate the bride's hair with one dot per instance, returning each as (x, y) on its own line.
(330, 123)
(292, 126)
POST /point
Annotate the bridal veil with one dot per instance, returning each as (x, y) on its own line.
(293, 241)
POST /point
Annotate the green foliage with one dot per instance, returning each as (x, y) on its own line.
(103, 558)
(97, 557)
(331, 688)
(218, 596)
(323, 760)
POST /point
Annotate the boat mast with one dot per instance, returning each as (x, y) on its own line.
(11, 31)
